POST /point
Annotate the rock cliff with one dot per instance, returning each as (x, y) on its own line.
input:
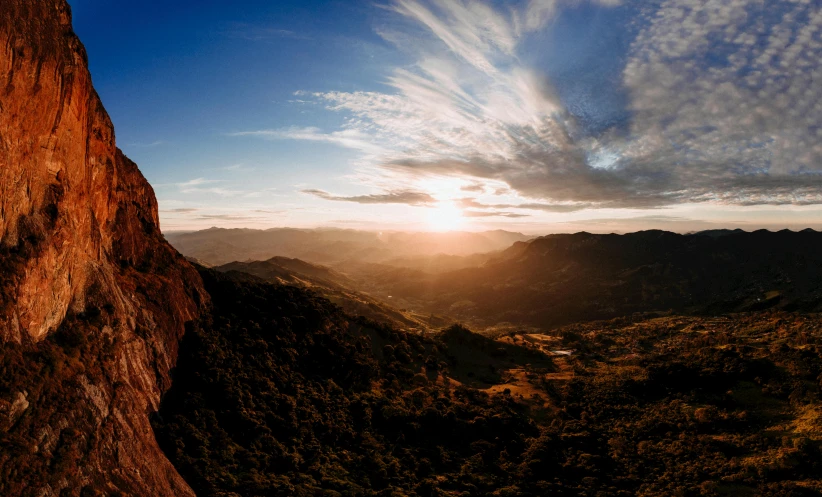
(93, 301)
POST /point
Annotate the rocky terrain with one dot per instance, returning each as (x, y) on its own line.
(93, 301)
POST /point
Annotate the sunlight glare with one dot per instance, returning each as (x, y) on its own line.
(445, 217)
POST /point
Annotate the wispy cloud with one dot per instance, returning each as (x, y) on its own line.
(238, 167)
(255, 32)
(198, 182)
(393, 197)
(223, 192)
(237, 213)
(537, 206)
(181, 210)
(200, 185)
(226, 217)
(470, 213)
(724, 96)
(349, 138)
(153, 144)
(473, 188)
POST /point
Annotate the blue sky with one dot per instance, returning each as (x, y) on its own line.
(538, 116)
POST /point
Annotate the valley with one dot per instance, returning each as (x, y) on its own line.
(555, 280)
(241, 362)
(322, 402)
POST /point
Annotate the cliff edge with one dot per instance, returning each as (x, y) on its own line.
(93, 301)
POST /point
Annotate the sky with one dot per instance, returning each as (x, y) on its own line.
(536, 116)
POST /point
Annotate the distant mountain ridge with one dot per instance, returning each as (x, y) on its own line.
(328, 246)
(279, 392)
(558, 279)
(564, 278)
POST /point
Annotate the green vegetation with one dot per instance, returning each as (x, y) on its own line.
(333, 286)
(282, 394)
(46, 438)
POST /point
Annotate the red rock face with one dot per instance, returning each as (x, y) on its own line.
(80, 251)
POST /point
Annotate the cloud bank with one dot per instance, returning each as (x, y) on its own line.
(724, 98)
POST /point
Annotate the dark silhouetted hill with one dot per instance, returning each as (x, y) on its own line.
(334, 286)
(560, 279)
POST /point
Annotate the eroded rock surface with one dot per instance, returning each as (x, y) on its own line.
(93, 301)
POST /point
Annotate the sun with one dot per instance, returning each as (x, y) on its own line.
(445, 217)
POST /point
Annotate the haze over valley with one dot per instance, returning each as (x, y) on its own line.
(412, 248)
(535, 283)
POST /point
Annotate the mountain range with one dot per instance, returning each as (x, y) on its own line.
(329, 246)
(565, 278)
(559, 279)
(651, 363)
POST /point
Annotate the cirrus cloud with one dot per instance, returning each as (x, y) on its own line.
(470, 213)
(724, 101)
(392, 197)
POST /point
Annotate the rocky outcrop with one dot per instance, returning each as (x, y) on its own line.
(93, 301)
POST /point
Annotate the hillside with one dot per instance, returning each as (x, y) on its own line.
(287, 270)
(644, 364)
(281, 394)
(560, 279)
(337, 288)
